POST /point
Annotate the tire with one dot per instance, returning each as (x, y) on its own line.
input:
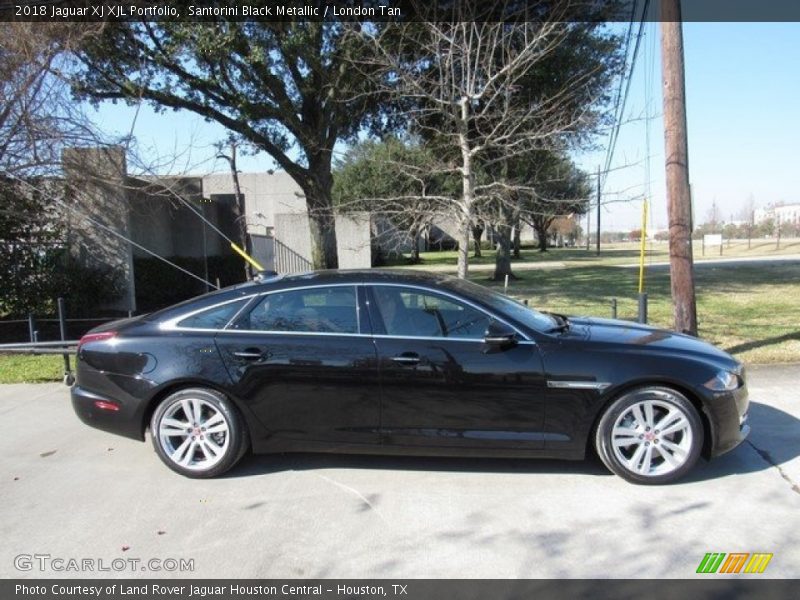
(650, 457)
(198, 447)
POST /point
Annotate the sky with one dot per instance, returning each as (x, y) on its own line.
(743, 100)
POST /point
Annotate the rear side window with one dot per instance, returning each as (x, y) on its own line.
(213, 318)
(317, 310)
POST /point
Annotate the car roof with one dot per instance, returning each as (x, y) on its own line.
(331, 276)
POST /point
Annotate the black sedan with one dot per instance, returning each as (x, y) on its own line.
(397, 362)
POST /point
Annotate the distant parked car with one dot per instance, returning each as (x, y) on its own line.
(405, 363)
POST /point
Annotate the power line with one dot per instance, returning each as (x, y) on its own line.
(618, 119)
(116, 233)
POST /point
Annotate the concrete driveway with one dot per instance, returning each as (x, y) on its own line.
(69, 491)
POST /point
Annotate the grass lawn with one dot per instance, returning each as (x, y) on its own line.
(613, 254)
(23, 368)
(751, 311)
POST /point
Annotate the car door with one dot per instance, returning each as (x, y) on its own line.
(301, 361)
(442, 385)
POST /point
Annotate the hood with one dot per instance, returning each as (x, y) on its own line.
(627, 333)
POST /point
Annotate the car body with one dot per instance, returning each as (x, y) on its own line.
(403, 362)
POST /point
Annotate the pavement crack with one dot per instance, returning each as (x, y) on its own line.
(767, 457)
(357, 494)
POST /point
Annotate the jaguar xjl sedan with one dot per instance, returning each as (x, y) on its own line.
(396, 362)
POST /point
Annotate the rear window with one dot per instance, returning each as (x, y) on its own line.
(213, 318)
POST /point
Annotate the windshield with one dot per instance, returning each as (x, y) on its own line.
(504, 305)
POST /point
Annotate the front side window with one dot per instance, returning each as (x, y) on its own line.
(317, 310)
(416, 313)
(213, 318)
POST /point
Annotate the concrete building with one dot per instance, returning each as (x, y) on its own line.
(159, 215)
(785, 213)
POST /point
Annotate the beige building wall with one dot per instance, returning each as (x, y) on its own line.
(96, 180)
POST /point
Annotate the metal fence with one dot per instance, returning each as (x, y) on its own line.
(49, 335)
(289, 261)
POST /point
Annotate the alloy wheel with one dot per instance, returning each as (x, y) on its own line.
(194, 434)
(652, 437)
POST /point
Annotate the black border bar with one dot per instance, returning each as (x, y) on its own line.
(397, 589)
(393, 10)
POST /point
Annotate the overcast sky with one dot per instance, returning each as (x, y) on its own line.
(743, 93)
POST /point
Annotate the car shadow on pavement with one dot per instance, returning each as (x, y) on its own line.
(271, 463)
(774, 439)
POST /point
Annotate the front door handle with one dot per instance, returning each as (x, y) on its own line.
(407, 358)
(249, 354)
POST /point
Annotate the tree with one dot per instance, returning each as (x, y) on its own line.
(284, 88)
(458, 76)
(557, 189)
(481, 91)
(392, 179)
(38, 121)
(37, 117)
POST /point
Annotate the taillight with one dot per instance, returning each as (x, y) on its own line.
(95, 337)
(103, 405)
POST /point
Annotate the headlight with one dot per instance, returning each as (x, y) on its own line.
(724, 381)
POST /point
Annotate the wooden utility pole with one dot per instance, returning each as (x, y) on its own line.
(598, 210)
(588, 224)
(679, 201)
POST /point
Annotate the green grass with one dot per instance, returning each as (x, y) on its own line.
(612, 254)
(23, 368)
(751, 311)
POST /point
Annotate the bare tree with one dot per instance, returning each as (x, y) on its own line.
(37, 115)
(468, 91)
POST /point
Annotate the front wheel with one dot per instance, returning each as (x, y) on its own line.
(197, 432)
(650, 435)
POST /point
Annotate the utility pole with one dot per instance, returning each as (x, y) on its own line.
(598, 210)
(588, 224)
(679, 202)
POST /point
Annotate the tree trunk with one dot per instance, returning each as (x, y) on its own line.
(463, 247)
(466, 187)
(321, 218)
(541, 233)
(322, 226)
(414, 233)
(502, 260)
(517, 227)
(477, 234)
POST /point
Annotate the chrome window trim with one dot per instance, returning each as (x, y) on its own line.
(460, 299)
(172, 324)
(578, 385)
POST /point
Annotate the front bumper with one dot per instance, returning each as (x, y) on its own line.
(727, 415)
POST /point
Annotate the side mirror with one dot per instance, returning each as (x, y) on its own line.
(499, 335)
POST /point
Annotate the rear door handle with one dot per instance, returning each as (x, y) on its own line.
(407, 358)
(249, 354)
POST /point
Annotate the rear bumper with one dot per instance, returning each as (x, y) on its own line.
(123, 421)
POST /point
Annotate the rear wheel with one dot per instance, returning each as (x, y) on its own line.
(650, 435)
(197, 432)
